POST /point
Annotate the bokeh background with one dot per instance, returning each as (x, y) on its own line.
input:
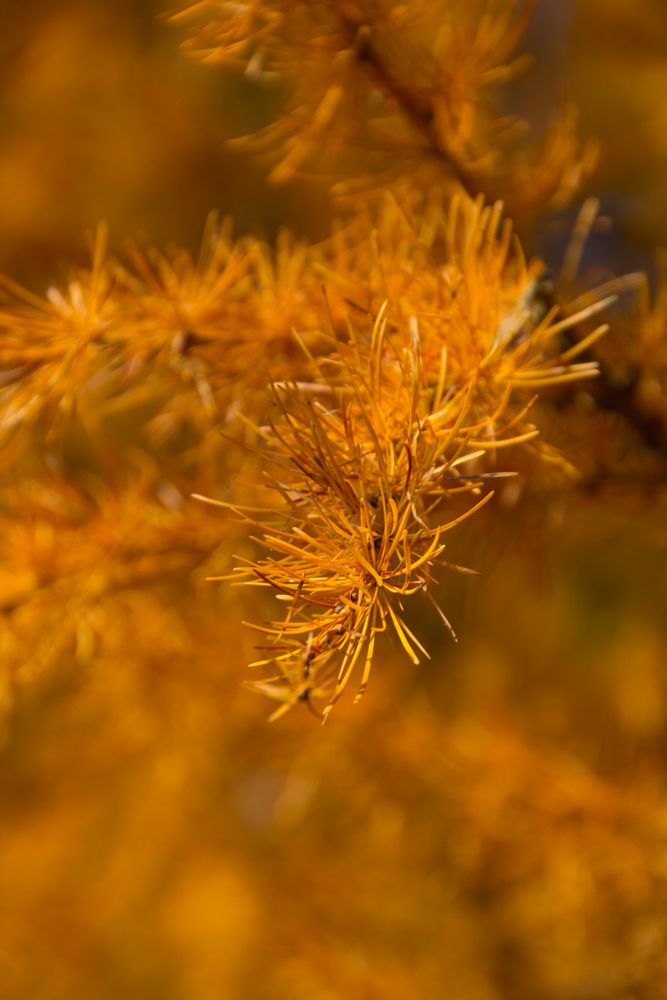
(490, 825)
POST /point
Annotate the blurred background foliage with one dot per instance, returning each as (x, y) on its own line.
(491, 825)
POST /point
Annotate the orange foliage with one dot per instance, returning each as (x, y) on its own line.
(394, 425)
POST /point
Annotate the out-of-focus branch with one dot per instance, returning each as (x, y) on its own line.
(417, 111)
